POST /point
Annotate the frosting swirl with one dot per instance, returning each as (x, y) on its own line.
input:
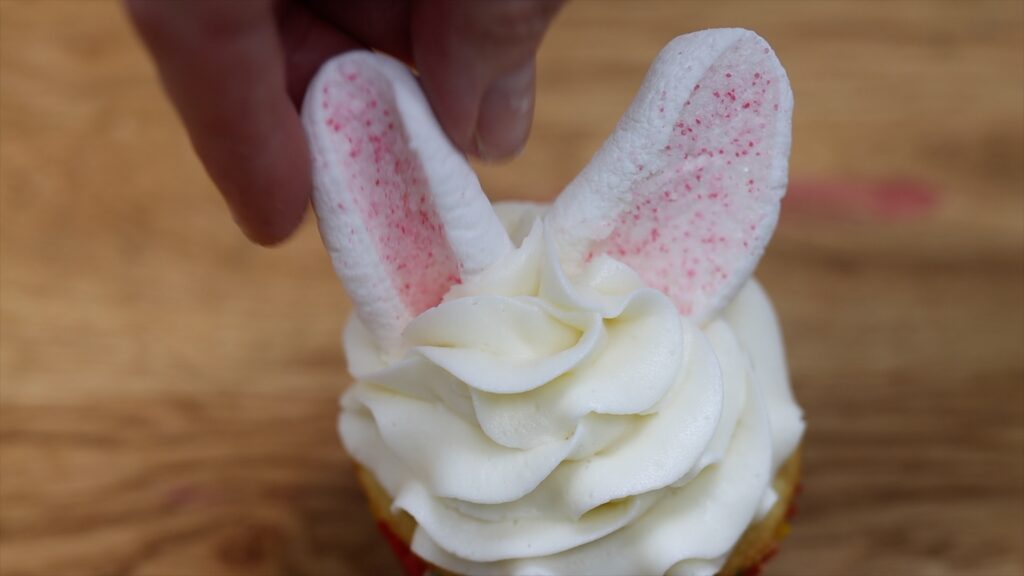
(544, 420)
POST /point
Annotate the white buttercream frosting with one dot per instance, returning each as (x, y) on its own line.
(542, 422)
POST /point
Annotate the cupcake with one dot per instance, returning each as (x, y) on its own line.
(597, 386)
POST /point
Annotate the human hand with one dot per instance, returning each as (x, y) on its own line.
(237, 71)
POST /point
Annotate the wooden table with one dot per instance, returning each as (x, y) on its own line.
(169, 391)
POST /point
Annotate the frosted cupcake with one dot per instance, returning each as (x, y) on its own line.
(598, 387)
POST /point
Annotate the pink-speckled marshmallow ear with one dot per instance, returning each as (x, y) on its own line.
(400, 210)
(687, 188)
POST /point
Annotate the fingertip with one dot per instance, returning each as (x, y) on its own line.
(268, 200)
(271, 227)
(259, 160)
(477, 67)
(505, 116)
(224, 68)
(455, 98)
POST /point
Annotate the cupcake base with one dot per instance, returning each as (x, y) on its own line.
(759, 543)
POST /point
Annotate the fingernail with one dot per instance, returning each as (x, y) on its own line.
(505, 114)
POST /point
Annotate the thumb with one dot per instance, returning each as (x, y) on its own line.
(476, 64)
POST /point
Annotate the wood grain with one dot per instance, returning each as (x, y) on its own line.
(169, 391)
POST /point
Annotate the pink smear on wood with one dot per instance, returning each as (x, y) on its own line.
(387, 186)
(886, 199)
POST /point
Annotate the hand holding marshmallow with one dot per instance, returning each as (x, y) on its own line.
(686, 191)
(236, 71)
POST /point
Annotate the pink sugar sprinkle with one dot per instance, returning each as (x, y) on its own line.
(688, 241)
(388, 187)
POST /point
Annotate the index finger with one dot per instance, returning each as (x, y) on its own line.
(222, 63)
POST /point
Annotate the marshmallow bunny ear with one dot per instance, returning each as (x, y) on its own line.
(687, 188)
(400, 210)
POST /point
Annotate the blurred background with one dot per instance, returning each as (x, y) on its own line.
(168, 391)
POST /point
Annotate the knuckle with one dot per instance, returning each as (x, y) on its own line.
(516, 21)
(209, 19)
